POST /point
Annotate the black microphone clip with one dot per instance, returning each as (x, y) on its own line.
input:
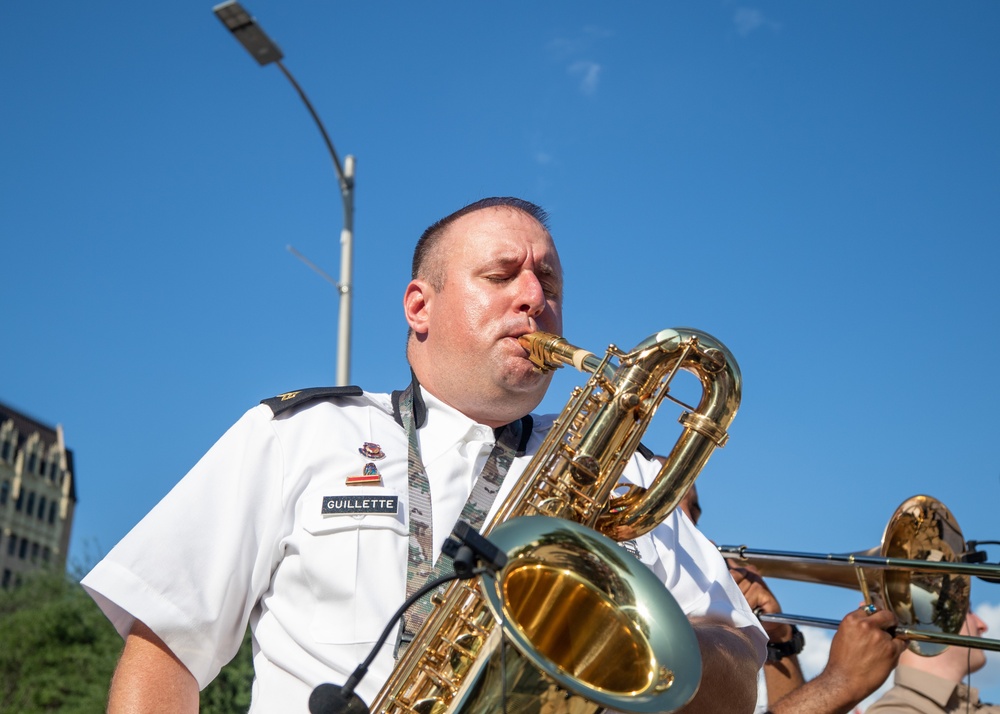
(469, 550)
(976, 556)
(331, 699)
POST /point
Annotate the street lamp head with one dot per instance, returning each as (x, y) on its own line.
(248, 32)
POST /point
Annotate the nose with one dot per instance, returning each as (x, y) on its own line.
(531, 295)
(974, 625)
(983, 627)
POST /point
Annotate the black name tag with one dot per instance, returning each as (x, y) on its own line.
(352, 505)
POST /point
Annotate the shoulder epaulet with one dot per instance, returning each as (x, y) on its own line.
(290, 400)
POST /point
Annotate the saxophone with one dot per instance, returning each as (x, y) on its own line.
(573, 623)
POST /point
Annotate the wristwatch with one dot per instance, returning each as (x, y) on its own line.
(777, 651)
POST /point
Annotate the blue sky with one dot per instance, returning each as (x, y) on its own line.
(816, 184)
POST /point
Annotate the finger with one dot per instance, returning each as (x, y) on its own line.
(739, 574)
(883, 619)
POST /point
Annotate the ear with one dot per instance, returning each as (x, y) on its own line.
(416, 305)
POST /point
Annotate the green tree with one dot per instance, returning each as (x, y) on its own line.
(58, 652)
(229, 693)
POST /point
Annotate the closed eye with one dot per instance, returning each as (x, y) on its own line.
(499, 278)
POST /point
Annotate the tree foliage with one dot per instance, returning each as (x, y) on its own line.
(58, 652)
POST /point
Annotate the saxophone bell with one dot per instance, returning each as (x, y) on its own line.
(590, 617)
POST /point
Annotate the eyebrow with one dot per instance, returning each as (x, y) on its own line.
(542, 267)
(546, 268)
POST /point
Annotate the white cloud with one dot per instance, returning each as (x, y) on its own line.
(573, 52)
(589, 74)
(748, 20)
(817, 651)
(990, 614)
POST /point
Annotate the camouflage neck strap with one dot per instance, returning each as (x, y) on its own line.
(419, 564)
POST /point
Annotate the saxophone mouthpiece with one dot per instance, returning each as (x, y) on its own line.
(549, 352)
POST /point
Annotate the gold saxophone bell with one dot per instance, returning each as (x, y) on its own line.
(574, 622)
(916, 572)
(583, 615)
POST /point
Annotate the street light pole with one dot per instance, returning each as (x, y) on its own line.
(260, 46)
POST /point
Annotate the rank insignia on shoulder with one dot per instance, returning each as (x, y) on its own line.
(371, 477)
(371, 451)
(290, 400)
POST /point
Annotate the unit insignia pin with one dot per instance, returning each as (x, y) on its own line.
(371, 477)
(371, 451)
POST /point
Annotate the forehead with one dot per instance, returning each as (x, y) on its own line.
(500, 234)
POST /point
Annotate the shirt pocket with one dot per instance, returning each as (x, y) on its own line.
(354, 565)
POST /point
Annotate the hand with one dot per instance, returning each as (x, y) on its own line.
(761, 599)
(861, 657)
(862, 653)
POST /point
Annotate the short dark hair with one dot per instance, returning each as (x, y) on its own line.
(429, 238)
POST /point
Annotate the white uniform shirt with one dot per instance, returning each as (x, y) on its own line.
(242, 538)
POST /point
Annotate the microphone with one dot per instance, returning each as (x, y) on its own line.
(468, 549)
(974, 555)
(471, 554)
(330, 699)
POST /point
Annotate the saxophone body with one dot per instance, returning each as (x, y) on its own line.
(573, 622)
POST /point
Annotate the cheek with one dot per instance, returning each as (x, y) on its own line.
(551, 319)
(475, 315)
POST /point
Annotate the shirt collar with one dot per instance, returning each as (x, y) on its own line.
(447, 428)
(937, 689)
(420, 415)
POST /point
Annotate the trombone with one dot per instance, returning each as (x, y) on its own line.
(918, 572)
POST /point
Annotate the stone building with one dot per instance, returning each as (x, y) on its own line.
(37, 496)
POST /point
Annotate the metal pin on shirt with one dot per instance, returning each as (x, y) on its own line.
(370, 477)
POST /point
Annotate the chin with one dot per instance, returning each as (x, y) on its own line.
(532, 388)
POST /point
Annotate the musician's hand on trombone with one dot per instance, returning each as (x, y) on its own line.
(782, 673)
(862, 655)
(761, 600)
(863, 652)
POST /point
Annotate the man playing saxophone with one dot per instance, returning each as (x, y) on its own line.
(309, 517)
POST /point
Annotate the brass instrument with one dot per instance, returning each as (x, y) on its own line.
(916, 572)
(579, 618)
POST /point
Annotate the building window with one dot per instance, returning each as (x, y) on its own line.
(11, 544)
(5, 449)
(34, 552)
(6, 578)
(32, 460)
(52, 513)
(19, 504)
(41, 508)
(22, 552)
(30, 510)
(4, 492)
(46, 554)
